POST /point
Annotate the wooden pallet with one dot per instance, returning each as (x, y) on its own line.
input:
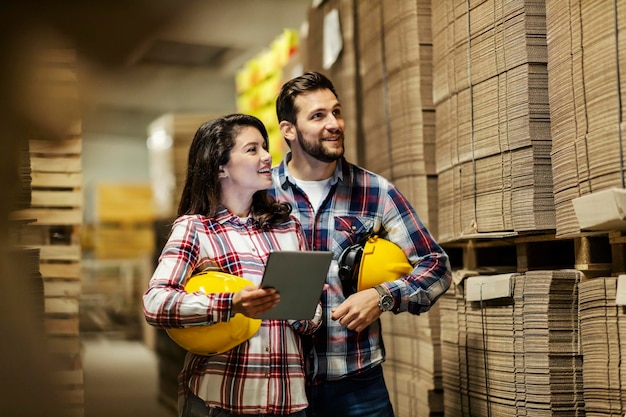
(593, 254)
(617, 240)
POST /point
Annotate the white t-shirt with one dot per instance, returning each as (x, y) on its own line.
(316, 191)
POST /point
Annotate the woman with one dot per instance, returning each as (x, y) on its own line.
(227, 220)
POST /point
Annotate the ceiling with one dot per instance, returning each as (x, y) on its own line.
(187, 65)
(140, 59)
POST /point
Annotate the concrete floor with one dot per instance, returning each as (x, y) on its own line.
(121, 379)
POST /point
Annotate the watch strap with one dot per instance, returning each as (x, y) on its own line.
(385, 300)
(381, 290)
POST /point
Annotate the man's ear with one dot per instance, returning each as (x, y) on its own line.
(288, 130)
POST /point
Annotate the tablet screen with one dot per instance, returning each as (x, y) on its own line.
(299, 277)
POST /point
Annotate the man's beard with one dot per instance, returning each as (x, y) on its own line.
(317, 150)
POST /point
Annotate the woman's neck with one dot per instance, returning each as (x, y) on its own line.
(238, 205)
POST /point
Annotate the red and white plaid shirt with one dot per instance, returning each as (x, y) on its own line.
(264, 375)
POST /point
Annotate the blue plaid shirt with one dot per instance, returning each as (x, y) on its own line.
(360, 201)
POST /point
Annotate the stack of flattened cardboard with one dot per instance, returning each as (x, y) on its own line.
(413, 365)
(47, 231)
(602, 331)
(23, 197)
(493, 130)
(454, 361)
(510, 346)
(553, 363)
(586, 112)
(395, 51)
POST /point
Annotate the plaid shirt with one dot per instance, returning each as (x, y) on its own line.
(265, 374)
(360, 201)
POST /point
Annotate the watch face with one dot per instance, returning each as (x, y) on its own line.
(386, 302)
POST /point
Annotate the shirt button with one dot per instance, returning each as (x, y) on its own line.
(267, 348)
(353, 228)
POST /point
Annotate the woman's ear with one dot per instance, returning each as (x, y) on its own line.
(222, 173)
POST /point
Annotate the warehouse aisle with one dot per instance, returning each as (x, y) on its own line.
(121, 379)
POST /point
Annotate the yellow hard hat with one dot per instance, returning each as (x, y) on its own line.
(371, 262)
(218, 337)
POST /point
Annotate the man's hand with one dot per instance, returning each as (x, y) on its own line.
(359, 310)
(253, 302)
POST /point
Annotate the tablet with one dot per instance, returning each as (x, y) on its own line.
(299, 277)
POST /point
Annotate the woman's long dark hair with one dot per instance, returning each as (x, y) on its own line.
(210, 149)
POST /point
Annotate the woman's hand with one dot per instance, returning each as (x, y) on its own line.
(253, 302)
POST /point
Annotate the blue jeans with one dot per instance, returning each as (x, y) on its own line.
(195, 407)
(361, 395)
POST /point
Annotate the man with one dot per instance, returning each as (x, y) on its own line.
(340, 204)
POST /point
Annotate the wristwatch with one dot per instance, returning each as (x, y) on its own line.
(385, 302)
